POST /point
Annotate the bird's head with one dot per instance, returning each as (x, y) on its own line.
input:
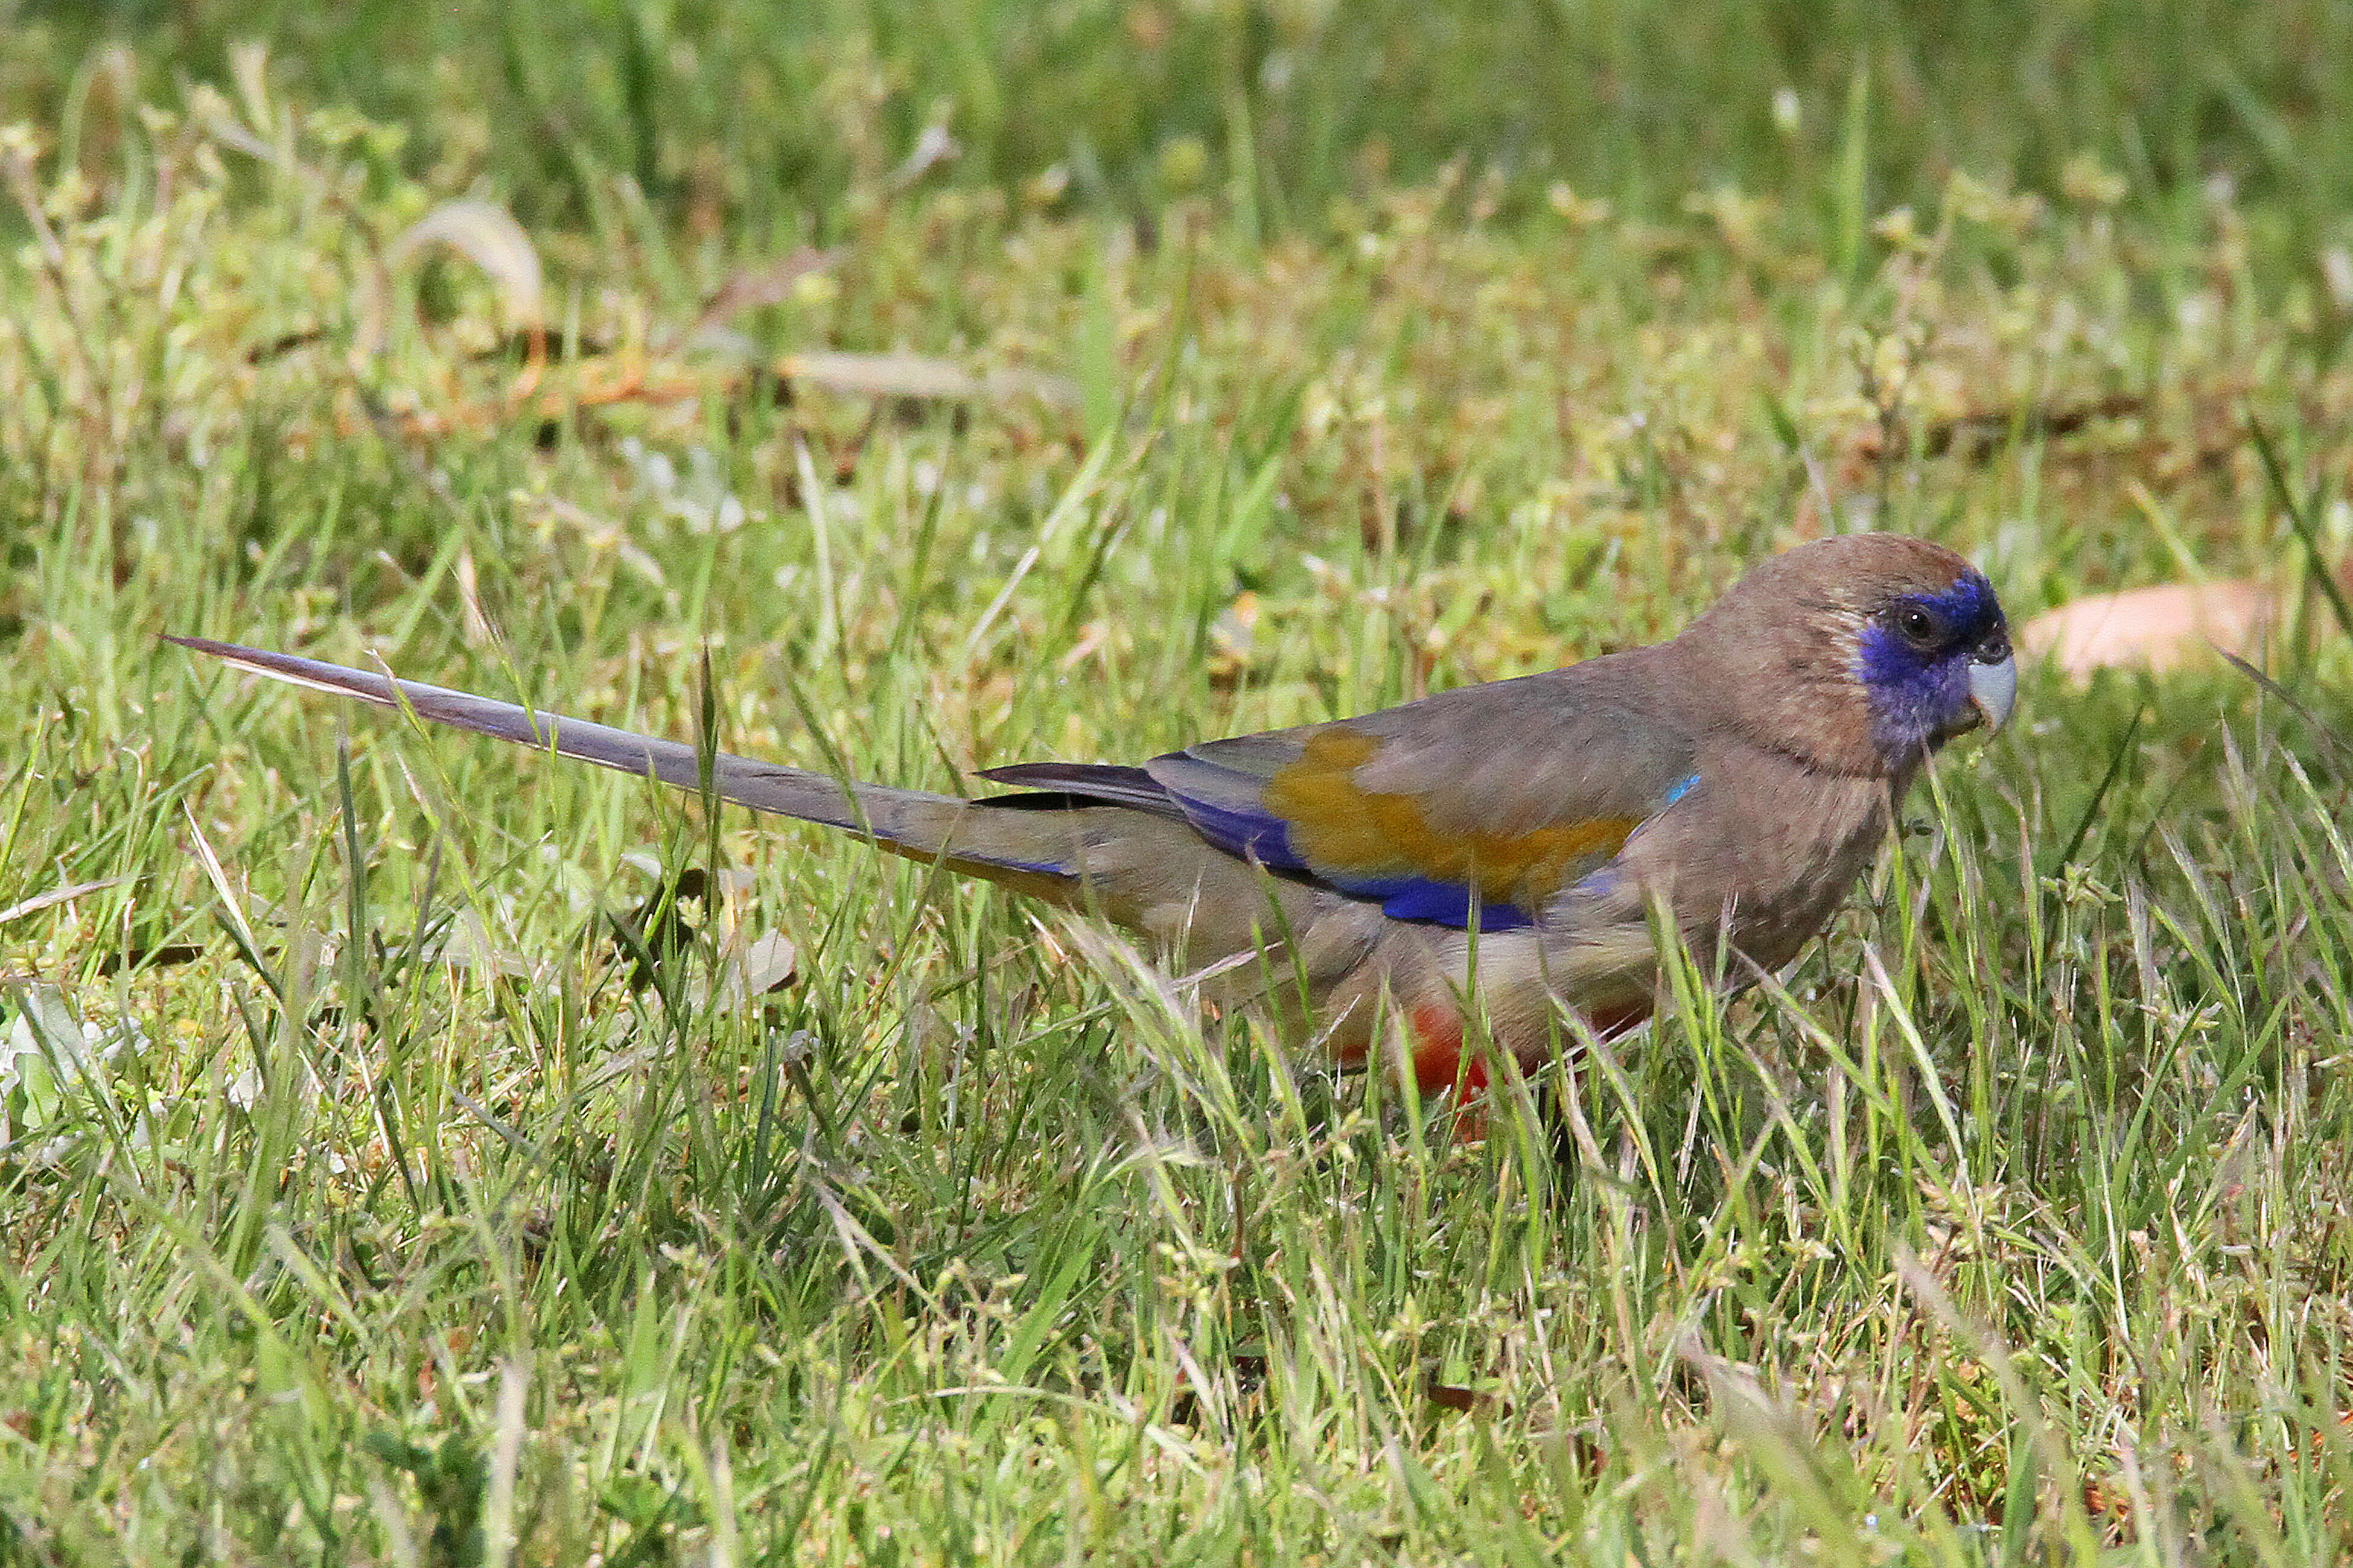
(1862, 653)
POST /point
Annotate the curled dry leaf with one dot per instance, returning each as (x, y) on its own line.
(2152, 629)
(488, 236)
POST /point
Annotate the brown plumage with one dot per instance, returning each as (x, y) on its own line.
(1495, 848)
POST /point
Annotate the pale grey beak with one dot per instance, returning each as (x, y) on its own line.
(1993, 689)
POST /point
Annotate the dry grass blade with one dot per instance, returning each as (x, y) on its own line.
(757, 288)
(919, 376)
(56, 896)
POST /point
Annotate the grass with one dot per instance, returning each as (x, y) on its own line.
(757, 120)
(358, 1209)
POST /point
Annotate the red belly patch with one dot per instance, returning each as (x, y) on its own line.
(1438, 1061)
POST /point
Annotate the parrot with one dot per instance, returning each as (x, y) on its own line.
(1475, 871)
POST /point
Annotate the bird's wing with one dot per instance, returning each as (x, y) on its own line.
(1474, 806)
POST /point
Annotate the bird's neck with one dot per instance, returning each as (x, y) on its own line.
(1792, 694)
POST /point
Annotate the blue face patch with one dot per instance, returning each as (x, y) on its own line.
(1921, 694)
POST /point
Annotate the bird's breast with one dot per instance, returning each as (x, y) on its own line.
(1762, 852)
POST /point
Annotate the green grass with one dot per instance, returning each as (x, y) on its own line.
(746, 118)
(392, 1224)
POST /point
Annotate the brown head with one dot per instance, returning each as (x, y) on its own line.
(1858, 655)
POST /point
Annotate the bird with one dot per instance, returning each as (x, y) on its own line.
(1472, 874)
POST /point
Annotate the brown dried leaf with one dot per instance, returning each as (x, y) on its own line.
(2152, 628)
(754, 966)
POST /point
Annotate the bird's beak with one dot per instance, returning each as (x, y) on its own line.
(1993, 684)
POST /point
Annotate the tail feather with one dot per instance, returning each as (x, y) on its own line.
(1104, 840)
(912, 821)
(1092, 782)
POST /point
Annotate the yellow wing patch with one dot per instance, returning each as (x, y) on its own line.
(1338, 828)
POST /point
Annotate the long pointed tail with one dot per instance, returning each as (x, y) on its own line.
(1078, 841)
(911, 821)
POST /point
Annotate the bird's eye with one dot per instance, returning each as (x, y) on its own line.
(1916, 625)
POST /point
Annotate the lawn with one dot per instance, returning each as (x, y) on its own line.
(415, 1151)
